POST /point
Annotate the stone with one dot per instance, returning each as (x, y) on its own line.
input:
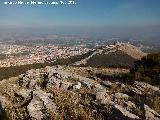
(36, 109)
(77, 86)
(126, 115)
(145, 87)
(4, 102)
(46, 98)
(25, 93)
(54, 81)
(130, 106)
(33, 84)
(107, 83)
(151, 114)
(103, 97)
(121, 96)
(24, 81)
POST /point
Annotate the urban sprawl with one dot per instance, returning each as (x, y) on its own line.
(15, 55)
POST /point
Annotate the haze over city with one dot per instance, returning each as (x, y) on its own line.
(105, 17)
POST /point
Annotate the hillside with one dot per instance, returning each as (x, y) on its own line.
(120, 55)
(63, 91)
(13, 71)
(116, 55)
(77, 93)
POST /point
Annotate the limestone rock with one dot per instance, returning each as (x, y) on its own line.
(46, 98)
(151, 114)
(120, 97)
(4, 102)
(103, 97)
(54, 81)
(143, 87)
(77, 86)
(25, 93)
(126, 115)
(37, 109)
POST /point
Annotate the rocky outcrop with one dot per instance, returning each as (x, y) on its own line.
(151, 114)
(38, 102)
(126, 115)
(110, 99)
(46, 98)
(103, 97)
(142, 87)
(59, 78)
(37, 109)
(4, 102)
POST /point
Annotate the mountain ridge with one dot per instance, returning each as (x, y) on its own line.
(60, 92)
(113, 51)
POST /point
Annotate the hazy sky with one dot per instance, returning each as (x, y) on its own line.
(86, 14)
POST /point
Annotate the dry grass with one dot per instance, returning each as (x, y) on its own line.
(13, 110)
(68, 106)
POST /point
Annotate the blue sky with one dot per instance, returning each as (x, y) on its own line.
(85, 14)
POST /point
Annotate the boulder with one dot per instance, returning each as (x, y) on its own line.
(33, 84)
(120, 97)
(107, 83)
(123, 114)
(103, 97)
(24, 81)
(36, 109)
(46, 98)
(26, 94)
(54, 81)
(151, 114)
(130, 106)
(86, 81)
(4, 102)
(77, 86)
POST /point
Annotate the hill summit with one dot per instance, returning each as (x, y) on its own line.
(115, 55)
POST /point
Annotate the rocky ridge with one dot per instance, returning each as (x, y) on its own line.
(53, 92)
(119, 48)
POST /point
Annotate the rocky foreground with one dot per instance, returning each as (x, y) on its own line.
(69, 93)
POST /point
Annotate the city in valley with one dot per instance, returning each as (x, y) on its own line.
(15, 55)
(22, 50)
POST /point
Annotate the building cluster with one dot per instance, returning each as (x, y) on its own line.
(21, 55)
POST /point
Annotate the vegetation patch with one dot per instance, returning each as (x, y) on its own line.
(117, 60)
(147, 69)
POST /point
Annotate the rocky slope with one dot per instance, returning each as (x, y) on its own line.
(75, 93)
(120, 54)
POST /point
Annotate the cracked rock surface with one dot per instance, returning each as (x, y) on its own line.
(58, 92)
